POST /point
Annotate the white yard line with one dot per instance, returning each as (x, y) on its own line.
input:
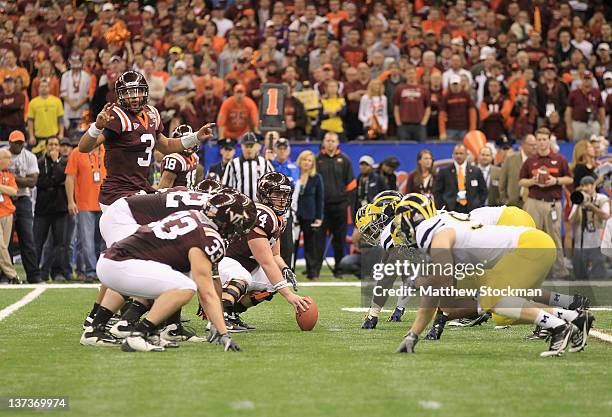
(28, 298)
(604, 337)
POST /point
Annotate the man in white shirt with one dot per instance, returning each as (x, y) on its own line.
(74, 90)
(455, 68)
(581, 43)
(223, 24)
(490, 173)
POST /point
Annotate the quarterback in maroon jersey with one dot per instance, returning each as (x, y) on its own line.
(253, 263)
(131, 130)
(179, 169)
(152, 264)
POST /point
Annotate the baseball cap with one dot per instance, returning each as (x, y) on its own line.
(107, 7)
(249, 138)
(607, 75)
(226, 143)
(16, 136)
(587, 74)
(455, 79)
(457, 41)
(391, 161)
(175, 50)
(328, 66)
(248, 12)
(367, 159)
(8, 77)
(115, 58)
(603, 46)
(239, 87)
(523, 91)
(281, 142)
(180, 64)
(486, 51)
(149, 9)
(587, 180)
(551, 66)
(66, 141)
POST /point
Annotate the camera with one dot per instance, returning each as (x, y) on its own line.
(580, 197)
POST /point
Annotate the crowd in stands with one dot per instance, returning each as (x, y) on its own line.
(352, 70)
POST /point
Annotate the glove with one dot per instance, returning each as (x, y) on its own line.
(228, 344)
(213, 334)
(290, 277)
(408, 344)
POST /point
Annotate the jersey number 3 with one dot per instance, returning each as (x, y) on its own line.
(150, 141)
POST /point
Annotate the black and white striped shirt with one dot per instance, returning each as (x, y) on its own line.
(243, 174)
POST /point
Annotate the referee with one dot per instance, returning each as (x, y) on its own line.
(243, 172)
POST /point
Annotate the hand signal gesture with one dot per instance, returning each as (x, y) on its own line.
(105, 116)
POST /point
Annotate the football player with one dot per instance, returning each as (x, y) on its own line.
(179, 169)
(130, 130)
(253, 263)
(521, 258)
(153, 262)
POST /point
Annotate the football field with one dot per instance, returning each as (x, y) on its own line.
(335, 370)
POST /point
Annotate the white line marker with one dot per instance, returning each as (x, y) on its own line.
(29, 297)
(604, 337)
(430, 405)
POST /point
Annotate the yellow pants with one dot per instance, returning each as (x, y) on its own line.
(524, 267)
(514, 216)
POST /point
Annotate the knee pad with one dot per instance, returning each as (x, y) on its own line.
(235, 289)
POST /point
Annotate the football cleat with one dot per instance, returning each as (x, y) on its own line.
(156, 339)
(122, 329)
(580, 302)
(559, 338)
(370, 322)
(237, 320)
(397, 314)
(88, 322)
(180, 333)
(465, 322)
(435, 333)
(232, 325)
(583, 322)
(539, 333)
(137, 343)
(96, 337)
(408, 344)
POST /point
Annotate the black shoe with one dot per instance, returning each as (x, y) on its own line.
(539, 333)
(397, 314)
(60, 279)
(580, 302)
(14, 280)
(559, 338)
(465, 322)
(435, 333)
(583, 322)
(232, 326)
(88, 322)
(97, 337)
(370, 322)
(338, 275)
(237, 320)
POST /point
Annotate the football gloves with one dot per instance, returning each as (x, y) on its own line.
(222, 339)
(290, 277)
(408, 344)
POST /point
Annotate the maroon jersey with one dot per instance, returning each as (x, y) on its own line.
(169, 241)
(183, 166)
(272, 227)
(129, 142)
(147, 208)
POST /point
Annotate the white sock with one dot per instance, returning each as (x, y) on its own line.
(567, 315)
(547, 320)
(560, 300)
(402, 302)
(374, 311)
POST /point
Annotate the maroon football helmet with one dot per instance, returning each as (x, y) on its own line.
(274, 190)
(132, 85)
(209, 186)
(233, 213)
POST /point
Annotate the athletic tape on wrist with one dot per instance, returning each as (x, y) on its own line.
(190, 140)
(93, 131)
(279, 286)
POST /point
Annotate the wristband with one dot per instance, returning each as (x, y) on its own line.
(279, 286)
(190, 140)
(93, 131)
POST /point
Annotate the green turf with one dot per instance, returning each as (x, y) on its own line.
(335, 370)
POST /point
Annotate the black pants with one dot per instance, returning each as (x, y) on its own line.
(353, 126)
(313, 251)
(24, 229)
(58, 224)
(286, 242)
(335, 223)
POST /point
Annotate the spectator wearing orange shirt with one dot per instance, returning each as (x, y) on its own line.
(241, 72)
(11, 68)
(8, 188)
(434, 22)
(84, 175)
(238, 114)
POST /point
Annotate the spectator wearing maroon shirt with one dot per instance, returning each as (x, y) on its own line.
(435, 96)
(354, 91)
(525, 115)
(457, 113)
(585, 114)
(494, 112)
(12, 107)
(545, 174)
(412, 108)
(133, 18)
(551, 94)
(351, 50)
(351, 21)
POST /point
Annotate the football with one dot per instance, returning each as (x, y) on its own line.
(307, 320)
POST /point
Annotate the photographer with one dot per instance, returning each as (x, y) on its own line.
(589, 214)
